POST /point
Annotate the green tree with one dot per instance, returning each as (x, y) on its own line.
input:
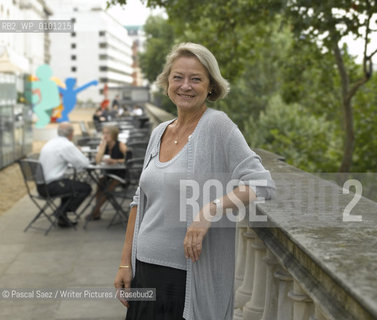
(324, 23)
(230, 28)
(159, 40)
(305, 140)
(365, 105)
(327, 23)
(319, 74)
(261, 78)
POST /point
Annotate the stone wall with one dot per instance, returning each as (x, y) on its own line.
(306, 261)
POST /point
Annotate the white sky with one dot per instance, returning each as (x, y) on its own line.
(134, 13)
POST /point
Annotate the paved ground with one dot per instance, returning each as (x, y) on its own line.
(63, 259)
(83, 259)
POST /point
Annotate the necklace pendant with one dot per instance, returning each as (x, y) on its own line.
(175, 141)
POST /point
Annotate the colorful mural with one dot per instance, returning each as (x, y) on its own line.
(45, 96)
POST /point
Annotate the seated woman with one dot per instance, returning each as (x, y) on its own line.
(98, 115)
(116, 150)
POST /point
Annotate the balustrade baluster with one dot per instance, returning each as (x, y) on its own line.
(303, 306)
(243, 293)
(272, 288)
(241, 242)
(285, 304)
(253, 309)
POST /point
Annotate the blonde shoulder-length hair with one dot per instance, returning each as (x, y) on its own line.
(219, 87)
(113, 130)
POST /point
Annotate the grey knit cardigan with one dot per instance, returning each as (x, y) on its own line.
(216, 149)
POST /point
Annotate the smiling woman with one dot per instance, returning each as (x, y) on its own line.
(219, 86)
(189, 83)
(188, 255)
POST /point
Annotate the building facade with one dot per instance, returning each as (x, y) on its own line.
(24, 51)
(98, 49)
(137, 35)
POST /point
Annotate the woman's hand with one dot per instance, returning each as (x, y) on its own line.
(123, 281)
(195, 234)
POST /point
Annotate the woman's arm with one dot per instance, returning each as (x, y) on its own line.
(198, 229)
(123, 148)
(101, 151)
(124, 275)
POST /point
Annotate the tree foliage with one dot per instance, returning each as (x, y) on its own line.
(290, 73)
(305, 140)
(365, 104)
(261, 78)
(326, 23)
(159, 39)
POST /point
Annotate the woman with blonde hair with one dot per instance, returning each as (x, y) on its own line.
(180, 237)
(110, 151)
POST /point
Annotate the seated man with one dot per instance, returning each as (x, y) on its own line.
(54, 158)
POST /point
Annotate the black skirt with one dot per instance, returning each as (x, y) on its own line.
(170, 284)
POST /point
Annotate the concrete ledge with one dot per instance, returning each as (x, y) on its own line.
(157, 115)
(334, 261)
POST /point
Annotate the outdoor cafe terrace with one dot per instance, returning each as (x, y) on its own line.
(308, 254)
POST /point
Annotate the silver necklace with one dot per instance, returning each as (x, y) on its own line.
(176, 140)
(184, 132)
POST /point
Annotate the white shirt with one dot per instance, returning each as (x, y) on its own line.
(137, 112)
(57, 154)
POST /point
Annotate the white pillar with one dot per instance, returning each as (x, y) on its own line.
(303, 306)
(244, 292)
(253, 310)
(272, 288)
(285, 305)
(240, 255)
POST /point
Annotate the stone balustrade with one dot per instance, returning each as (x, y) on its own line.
(310, 260)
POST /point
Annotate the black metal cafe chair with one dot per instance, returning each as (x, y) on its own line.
(137, 137)
(84, 130)
(32, 173)
(88, 141)
(138, 148)
(125, 190)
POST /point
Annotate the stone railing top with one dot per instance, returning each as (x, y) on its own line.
(157, 115)
(311, 213)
